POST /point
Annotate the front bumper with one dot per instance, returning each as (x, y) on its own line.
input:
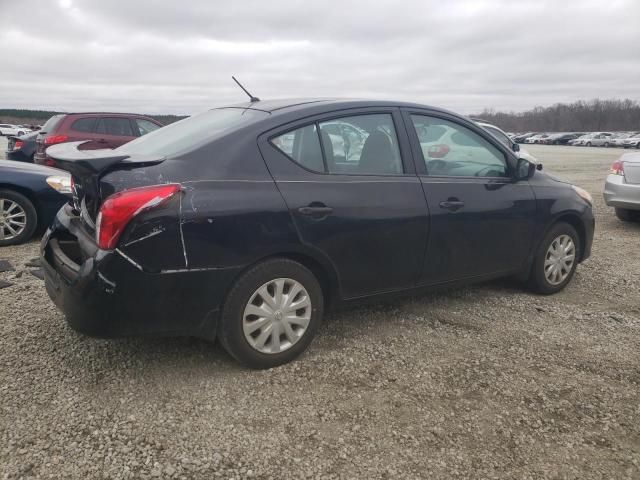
(104, 294)
(617, 193)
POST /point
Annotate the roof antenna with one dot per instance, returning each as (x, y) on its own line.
(251, 97)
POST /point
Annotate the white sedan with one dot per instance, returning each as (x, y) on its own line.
(7, 129)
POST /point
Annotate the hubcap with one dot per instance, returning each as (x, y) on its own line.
(277, 315)
(559, 259)
(13, 219)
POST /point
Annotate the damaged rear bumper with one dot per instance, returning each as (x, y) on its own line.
(106, 294)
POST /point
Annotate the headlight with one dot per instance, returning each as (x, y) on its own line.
(61, 184)
(586, 196)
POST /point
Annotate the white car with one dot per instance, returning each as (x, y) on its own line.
(632, 141)
(536, 138)
(7, 129)
(507, 141)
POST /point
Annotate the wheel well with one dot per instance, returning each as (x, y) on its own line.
(576, 223)
(326, 278)
(27, 193)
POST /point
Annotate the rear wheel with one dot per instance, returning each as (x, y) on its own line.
(624, 214)
(588, 144)
(18, 218)
(271, 314)
(556, 259)
(606, 144)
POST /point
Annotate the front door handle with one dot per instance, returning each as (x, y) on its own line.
(315, 210)
(452, 204)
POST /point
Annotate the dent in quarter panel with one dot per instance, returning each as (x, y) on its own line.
(234, 223)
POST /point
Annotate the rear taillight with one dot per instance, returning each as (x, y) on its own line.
(617, 168)
(53, 139)
(118, 210)
(17, 145)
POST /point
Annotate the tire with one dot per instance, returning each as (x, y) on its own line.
(20, 134)
(624, 214)
(588, 144)
(606, 144)
(246, 292)
(23, 204)
(538, 280)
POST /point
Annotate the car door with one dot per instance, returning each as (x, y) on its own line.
(114, 131)
(366, 216)
(482, 221)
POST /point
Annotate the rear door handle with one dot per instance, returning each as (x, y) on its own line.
(315, 210)
(452, 205)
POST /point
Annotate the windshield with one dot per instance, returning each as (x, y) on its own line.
(191, 132)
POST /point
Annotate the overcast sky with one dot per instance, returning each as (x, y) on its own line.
(178, 57)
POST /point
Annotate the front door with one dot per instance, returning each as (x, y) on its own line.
(353, 197)
(482, 221)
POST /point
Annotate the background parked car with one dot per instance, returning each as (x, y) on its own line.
(22, 149)
(618, 139)
(561, 138)
(582, 140)
(622, 187)
(8, 129)
(523, 136)
(632, 141)
(601, 139)
(30, 196)
(101, 130)
(506, 140)
(538, 138)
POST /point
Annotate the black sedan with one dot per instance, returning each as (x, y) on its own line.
(23, 148)
(30, 196)
(246, 223)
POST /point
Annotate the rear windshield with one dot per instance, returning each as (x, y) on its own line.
(51, 124)
(191, 132)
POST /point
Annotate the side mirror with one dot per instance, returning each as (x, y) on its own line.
(524, 169)
(515, 147)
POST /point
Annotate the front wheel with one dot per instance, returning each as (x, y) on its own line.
(556, 259)
(18, 218)
(624, 214)
(271, 314)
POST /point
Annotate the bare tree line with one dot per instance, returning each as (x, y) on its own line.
(581, 116)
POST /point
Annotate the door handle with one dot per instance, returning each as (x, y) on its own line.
(102, 140)
(452, 205)
(315, 210)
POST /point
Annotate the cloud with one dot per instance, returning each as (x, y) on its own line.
(168, 57)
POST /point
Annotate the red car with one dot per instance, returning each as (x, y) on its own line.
(101, 130)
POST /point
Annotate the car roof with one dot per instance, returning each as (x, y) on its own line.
(288, 105)
(121, 114)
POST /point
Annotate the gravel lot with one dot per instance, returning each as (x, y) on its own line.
(484, 382)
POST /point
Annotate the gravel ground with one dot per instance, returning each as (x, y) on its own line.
(483, 382)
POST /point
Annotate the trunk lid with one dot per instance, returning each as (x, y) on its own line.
(87, 167)
(632, 172)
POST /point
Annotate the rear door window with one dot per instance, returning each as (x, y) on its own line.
(120, 127)
(84, 125)
(356, 145)
(302, 145)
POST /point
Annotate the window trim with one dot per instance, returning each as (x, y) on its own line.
(396, 118)
(420, 164)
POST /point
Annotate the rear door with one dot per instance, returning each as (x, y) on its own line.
(356, 201)
(114, 131)
(482, 222)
